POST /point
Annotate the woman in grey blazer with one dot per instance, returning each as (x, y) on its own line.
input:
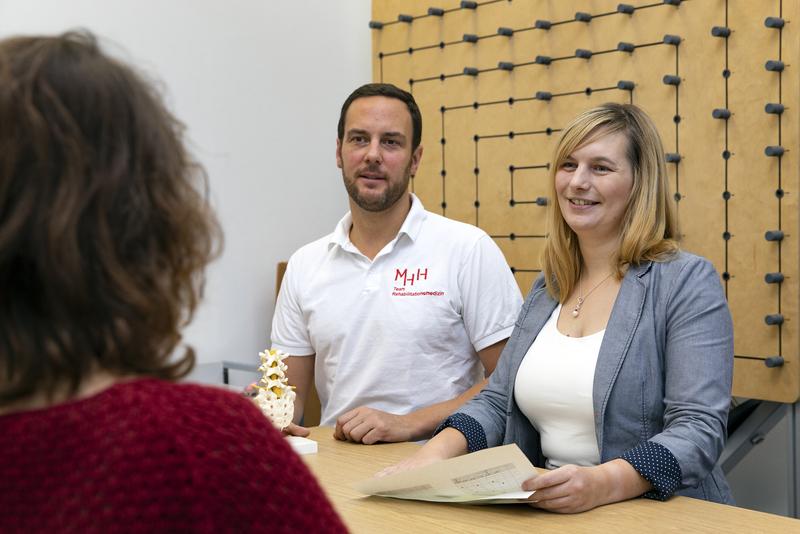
(620, 303)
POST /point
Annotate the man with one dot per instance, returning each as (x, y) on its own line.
(399, 314)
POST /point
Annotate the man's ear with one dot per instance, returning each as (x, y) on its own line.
(339, 153)
(416, 156)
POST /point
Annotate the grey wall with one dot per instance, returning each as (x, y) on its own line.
(259, 85)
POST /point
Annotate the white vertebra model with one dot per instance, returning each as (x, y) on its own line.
(275, 396)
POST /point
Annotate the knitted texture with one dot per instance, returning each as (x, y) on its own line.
(148, 455)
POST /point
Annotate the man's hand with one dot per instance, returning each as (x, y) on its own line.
(368, 426)
(568, 489)
(296, 430)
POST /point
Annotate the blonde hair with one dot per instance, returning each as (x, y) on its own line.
(649, 229)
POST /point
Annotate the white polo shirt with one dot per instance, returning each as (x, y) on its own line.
(400, 332)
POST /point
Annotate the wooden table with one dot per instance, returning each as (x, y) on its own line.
(338, 465)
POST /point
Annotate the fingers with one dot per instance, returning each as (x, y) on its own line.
(368, 426)
(339, 431)
(549, 479)
(568, 489)
(296, 430)
(354, 425)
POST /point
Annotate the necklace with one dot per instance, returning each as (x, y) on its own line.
(582, 298)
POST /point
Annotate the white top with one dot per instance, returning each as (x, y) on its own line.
(553, 389)
(400, 332)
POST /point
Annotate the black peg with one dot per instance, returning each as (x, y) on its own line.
(671, 79)
(626, 47)
(508, 32)
(721, 113)
(469, 5)
(505, 65)
(375, 25)
(672, 2)
(436, 11)
(543, 95)
(542, 24)
(773, 235)
(774, 22)
(541, 201)
(774, 361)
(543, 60)
(773, 319)
(773, 65)
(672, 39)
(625, 85)
(773, 278)
(582, 16)
(583, 53)
(470, 38)
(774, 108)
(470, 71)
(721, 31)
(671, 157)
(405, 18)
(626, 9)
(774, 151)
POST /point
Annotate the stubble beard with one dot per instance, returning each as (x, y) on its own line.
(386, 200)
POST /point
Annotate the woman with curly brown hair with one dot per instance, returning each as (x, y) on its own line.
(105, 232)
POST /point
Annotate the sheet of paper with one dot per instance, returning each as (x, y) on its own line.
(490, 476)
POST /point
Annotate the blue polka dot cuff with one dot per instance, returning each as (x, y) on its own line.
(472, 430)
(658, 466)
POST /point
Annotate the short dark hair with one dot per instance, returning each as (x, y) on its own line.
(390, 91)
(105, 229)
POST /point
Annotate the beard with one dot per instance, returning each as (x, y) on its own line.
(387, 199)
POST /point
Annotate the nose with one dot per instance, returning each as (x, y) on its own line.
(373, 154)
(581, 178)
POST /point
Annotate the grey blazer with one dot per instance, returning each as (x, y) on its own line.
(663, 372)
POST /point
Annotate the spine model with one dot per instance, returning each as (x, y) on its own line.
(275, 396)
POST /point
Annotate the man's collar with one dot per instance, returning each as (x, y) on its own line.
(411, 225)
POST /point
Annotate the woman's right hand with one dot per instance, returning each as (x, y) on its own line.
(447, 444)
(420, 458)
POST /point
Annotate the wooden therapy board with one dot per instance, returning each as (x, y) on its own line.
(497, 79)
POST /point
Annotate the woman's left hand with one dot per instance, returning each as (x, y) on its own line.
(568, 489)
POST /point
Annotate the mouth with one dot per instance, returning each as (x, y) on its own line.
(582, 202)
(368, 175)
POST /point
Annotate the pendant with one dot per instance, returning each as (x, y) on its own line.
(577, 309)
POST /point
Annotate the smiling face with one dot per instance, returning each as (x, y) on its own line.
(593, 185)
(375, 152)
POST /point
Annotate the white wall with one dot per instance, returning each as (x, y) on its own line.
(259, 84)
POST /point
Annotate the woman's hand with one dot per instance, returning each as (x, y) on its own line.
(420, 458)
(570, 488)
(447, 444)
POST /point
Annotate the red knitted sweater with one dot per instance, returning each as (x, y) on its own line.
(149, 455)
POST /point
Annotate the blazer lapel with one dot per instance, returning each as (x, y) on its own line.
(620, 329)
(539, 312)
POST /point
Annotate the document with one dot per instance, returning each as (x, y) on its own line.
(490, 476)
